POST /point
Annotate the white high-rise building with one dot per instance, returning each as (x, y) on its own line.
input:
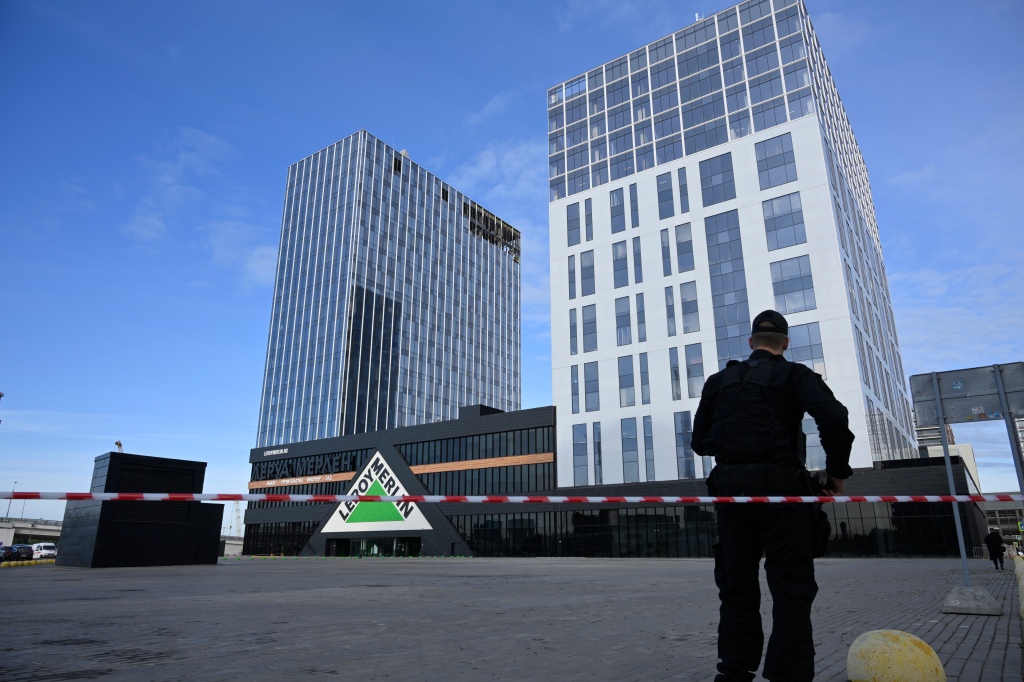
(696, 181)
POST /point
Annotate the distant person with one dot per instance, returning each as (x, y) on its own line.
(994, 541)
(749, 420)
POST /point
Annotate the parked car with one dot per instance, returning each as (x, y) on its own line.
(8, 553)
(24, 552)
(44, 550)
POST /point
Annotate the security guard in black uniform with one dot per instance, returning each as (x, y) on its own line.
(749, 420)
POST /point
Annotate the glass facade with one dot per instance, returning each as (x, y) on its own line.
(396, 299)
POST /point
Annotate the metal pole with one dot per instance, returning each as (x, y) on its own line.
(1010, 430)
(949, 477)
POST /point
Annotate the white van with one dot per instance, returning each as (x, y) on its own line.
(44, 550)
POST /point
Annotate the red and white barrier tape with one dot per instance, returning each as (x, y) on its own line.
(509, 499)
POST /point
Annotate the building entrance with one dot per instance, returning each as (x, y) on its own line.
(373, 547)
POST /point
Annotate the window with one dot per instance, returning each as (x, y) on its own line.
(801, 103)
(666, 209)
(792, 285)
(621, 141)
(805, 347)
(684, 194)
(638, 59)
(684, 436)
(638, 268)
(576, 135)
(670, 311)
(620, 264)
(641, 320)
(572, 277)
(572, 332)
(797, 76)
(579, 454)
(634, 207)
(727, 21)
(716, 180)
(703, 110)
(649, 448)
(776, 164)
(762, 60)
(684, 247)
(627, 395)
(575, 375)
(662, 74)
(599, 174)
(597, 101)
(617, 93)
(673, 366)
(732, 72)
(700, 84)
(587, 273)
(557, 189)
(623, 324)
(643, 134)
(694, 370)
(728, 286)
(641, 85)
(588, 210)
(688, 302)
(784, 221)
(589, 328)
(598, 476)
(697, 59)
(666, 255)
(598, 152)
(739, 124)
(706, 136)
(620, 118)
(666, 124)
(645, 384)
(591, 387)
(792, 49)
(754, 9)
(664, 99)
(788, 21)
(618, 210)
(736, 97)
(771, 113)
(669, 149)
(630, 462)
(661, 50)
(758, 34)
(573, 223)
(765, 87)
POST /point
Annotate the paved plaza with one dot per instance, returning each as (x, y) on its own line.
(462, 619)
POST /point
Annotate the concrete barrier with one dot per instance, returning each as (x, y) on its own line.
(892, 656)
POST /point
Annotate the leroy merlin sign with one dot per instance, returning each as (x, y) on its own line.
(359, 517)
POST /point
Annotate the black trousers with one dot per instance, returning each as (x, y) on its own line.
(783, 534)
(996, 555)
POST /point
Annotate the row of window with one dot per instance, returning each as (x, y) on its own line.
(805, 347)
(689, 318)
(780, 84)
(776, 165)
(632, 436)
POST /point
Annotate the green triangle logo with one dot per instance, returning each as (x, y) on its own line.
(375, 512)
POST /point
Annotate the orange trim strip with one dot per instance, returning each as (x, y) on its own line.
(465, 465)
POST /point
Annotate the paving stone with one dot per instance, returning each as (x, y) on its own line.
(465, 619)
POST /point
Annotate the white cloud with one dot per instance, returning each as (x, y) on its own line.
(921, 178)
(840, 34)
(494, 106)
(171, 187)
(240, 245)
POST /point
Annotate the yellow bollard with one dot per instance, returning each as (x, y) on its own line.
(892, 656)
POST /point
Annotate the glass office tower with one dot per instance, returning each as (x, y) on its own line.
(396, 299)
(694, 182)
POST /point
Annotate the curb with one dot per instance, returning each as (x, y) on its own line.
(32, 562)
(1018, 569)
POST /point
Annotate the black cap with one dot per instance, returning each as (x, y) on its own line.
(770, 321)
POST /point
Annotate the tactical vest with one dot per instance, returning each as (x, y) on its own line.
(747, 425)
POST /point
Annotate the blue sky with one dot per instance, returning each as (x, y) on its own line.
(145, 147)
